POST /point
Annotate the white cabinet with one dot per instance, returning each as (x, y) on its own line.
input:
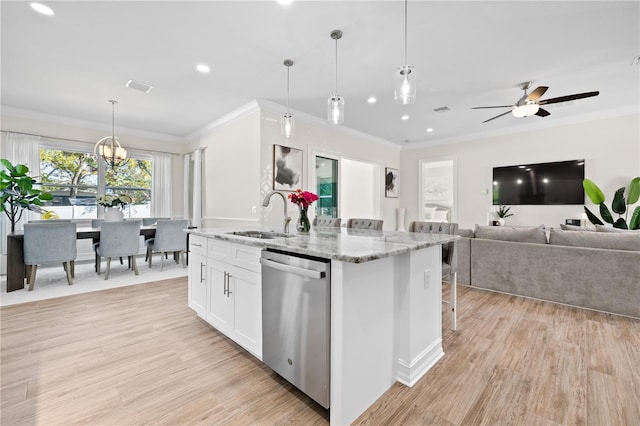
(232, 299)
(197, 298)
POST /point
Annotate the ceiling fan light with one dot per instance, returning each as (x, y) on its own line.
(405, 85)
(335, 109)
(525, 110)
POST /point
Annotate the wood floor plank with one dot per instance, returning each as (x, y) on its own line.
(138, 355)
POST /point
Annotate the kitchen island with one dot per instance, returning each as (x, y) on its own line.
(385, 301)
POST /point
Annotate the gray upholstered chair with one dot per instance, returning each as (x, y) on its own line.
(373, 224)
(170, 238)
(148, 221)
(449, 258)
(49, 243)
(327, 221)
(118, 239)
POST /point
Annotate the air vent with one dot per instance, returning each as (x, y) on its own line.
(442, 109)
(138, 85)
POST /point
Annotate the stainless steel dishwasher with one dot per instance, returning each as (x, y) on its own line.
(296, 330)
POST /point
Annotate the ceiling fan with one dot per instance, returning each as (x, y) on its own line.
(529, 104)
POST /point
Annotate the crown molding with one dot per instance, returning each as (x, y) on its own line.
(57, 119)
(238, 113)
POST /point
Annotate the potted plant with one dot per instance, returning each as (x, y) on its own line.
(111, 203)
(18, 194)
(619, 205)
(503, 213)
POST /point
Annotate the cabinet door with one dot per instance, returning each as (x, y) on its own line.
(246, 292)
(198, 284)
(220, 303)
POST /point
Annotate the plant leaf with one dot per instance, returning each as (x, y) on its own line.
(618, 204)
(47, 196)
(592, 217)
(20, 170)
(634, 191)
(634, 223)
(6, 163)
(605, 213)
(620, 224)
(593, 192)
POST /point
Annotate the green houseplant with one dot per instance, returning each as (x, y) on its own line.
(619, 205)
(17, 192)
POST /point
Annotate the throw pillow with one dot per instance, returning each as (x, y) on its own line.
(429, 213)
(440, 216)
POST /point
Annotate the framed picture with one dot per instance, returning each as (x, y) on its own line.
(287, 168)
(391, 182)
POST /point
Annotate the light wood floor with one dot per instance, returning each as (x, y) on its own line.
(138, 355)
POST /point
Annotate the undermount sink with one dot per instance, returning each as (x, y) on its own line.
(263, 235)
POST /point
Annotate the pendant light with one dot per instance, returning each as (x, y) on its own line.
(335, 103)
(405, 76)
(287, 125)
(109, 147)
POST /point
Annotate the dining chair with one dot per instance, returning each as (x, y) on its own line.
(118, 239)
(148, 221)
(49, 243)
(170, 238)
(373, 224)
(95, 223)
(449, 259)
(327, 221)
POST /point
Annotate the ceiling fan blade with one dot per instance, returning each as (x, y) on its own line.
(497, 116)
(568, 98)
(537, 93)
(542, 112)
(495, 106)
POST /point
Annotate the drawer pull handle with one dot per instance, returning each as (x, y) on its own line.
(196, 244)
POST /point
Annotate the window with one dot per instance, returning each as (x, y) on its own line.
(74, 178)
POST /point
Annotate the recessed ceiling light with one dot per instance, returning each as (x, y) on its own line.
(203, 68)
(372, 99)
(429, 130)
(41, 8)
(405, 117)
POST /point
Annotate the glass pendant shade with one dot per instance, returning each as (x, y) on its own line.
(287, 125)
(335, 109)
(525, 110)
(405, 85)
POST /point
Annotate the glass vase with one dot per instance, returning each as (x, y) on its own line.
(303, 220)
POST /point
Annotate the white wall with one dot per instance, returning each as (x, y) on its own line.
(313, 136)
(610, 147)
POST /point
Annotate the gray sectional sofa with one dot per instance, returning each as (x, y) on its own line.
(588, 269)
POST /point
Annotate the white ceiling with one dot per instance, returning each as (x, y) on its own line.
(466, 54)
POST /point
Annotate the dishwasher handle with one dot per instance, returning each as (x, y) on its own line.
(293, 269)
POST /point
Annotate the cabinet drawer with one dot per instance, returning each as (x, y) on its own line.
(240, 255)
(198, 244)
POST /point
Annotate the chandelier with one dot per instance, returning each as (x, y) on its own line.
(109, 147)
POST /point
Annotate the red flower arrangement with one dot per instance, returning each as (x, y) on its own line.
(302, 198)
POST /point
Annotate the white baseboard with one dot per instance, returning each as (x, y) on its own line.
(410, 373)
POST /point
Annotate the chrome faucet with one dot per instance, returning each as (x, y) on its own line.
(287, 218)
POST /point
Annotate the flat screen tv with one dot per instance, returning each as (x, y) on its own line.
(559, 182)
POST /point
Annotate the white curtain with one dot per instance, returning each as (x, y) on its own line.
(197, 188)
(20, 149)
(161, 185)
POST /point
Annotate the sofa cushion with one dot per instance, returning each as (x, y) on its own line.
(603, 240)
(602, 228)
(572, 227)
(467, 233)
(520, 235)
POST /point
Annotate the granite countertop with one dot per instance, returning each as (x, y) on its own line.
(346, 245)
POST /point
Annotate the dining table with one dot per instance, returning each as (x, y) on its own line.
(15, 252)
